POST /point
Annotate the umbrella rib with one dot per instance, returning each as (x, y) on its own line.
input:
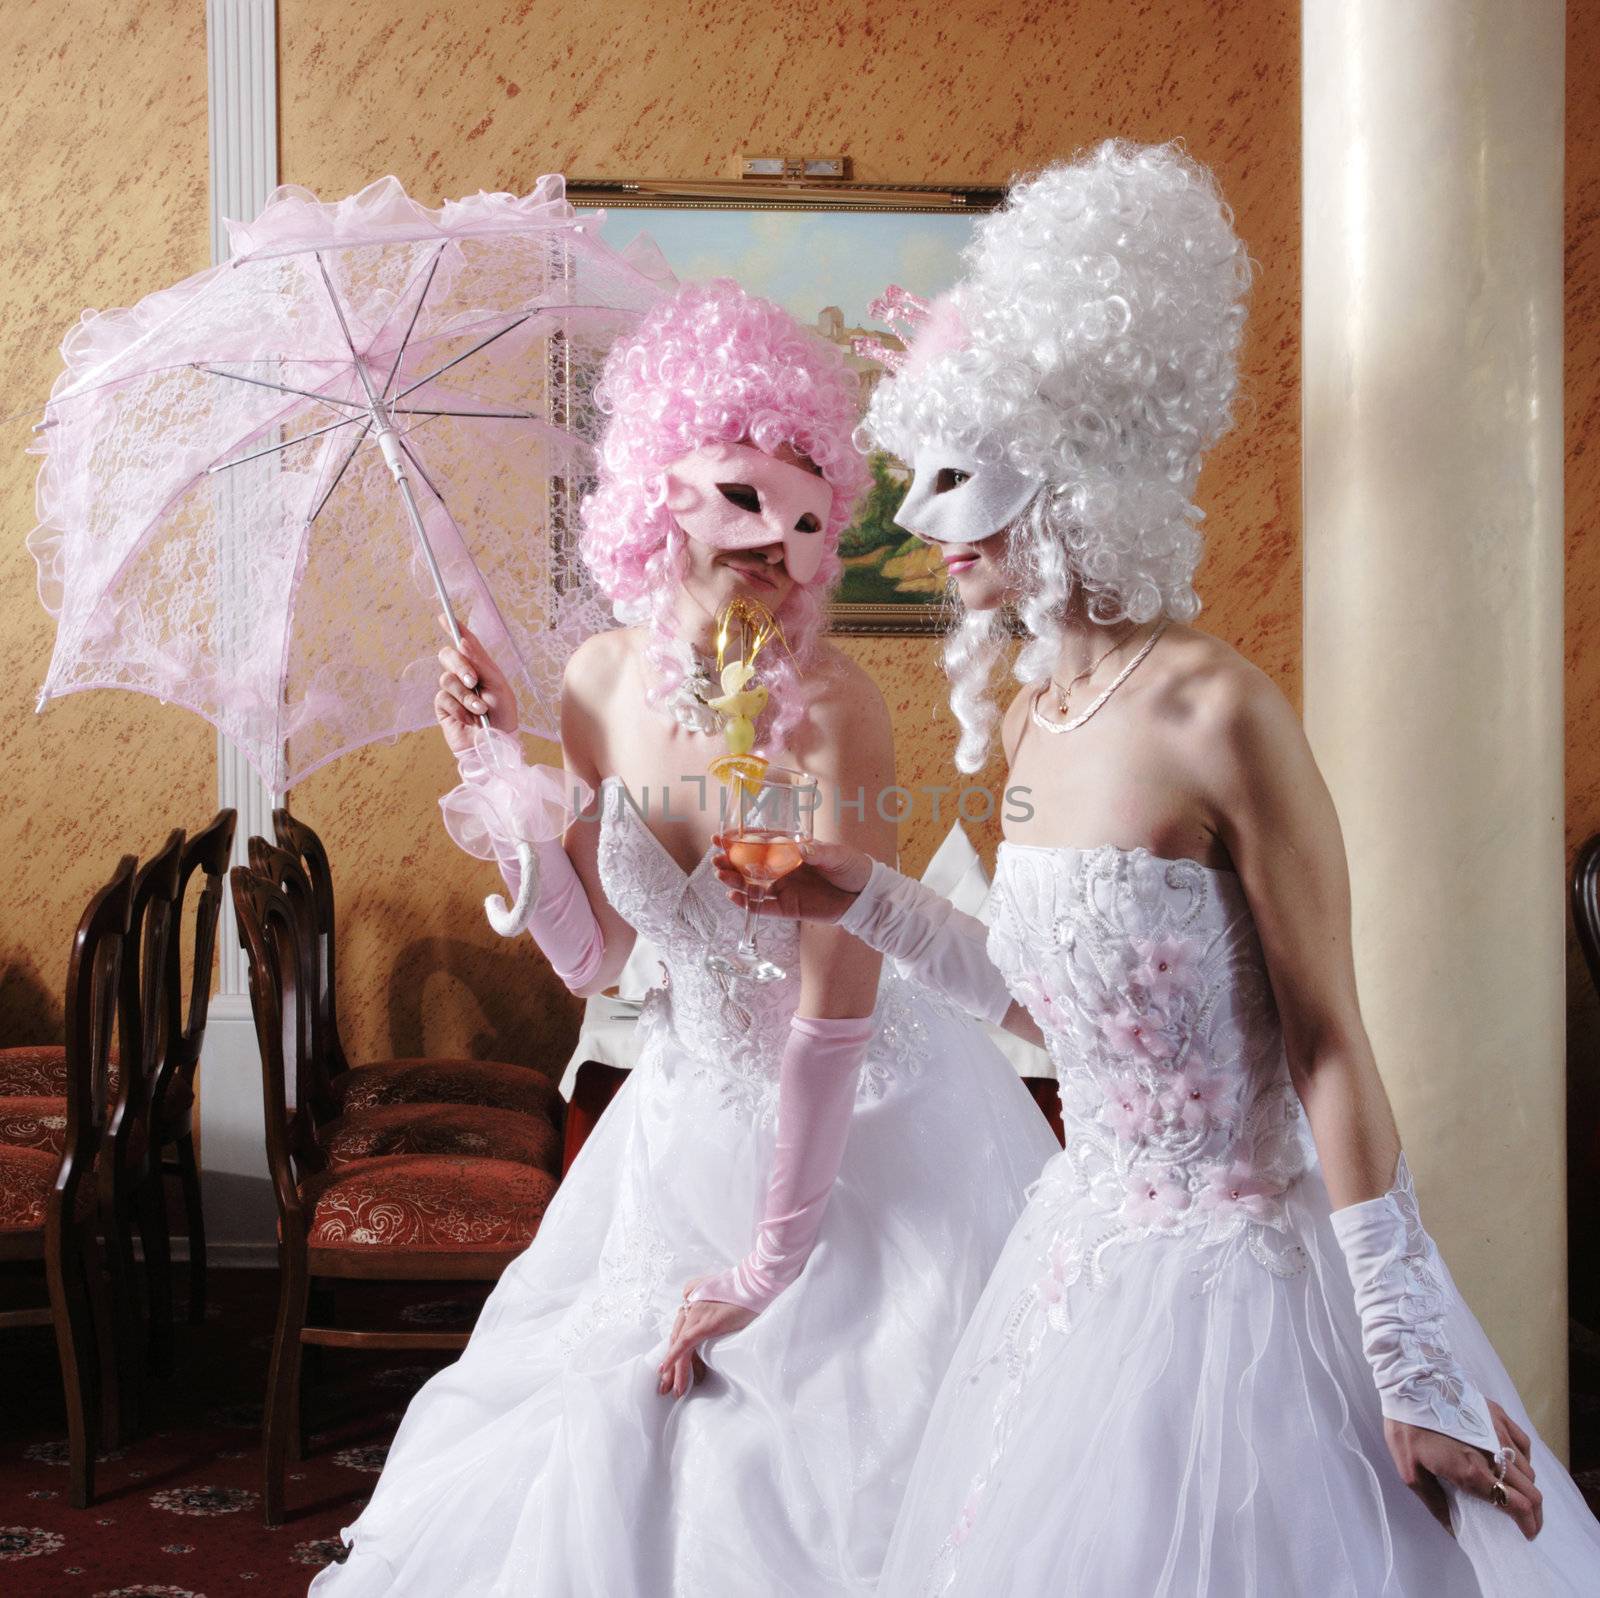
(338, 311)
(482, 344)
(411, 455)
(498, 416)
(411, 326)
(338, 475)
(282, 388)
(288, 443)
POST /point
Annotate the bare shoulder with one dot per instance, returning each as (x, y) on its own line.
(846, 727)
(597, 663)
(842, 692)
(1203, 685)
(1230, 716)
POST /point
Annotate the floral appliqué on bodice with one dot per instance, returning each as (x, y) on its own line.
(1146, 977)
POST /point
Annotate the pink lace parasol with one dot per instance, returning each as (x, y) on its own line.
(235, 467)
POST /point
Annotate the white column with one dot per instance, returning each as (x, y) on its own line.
(1433, 607)
(241, 53)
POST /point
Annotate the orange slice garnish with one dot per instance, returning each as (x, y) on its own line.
(739, 771)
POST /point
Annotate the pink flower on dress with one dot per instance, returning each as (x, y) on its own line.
(967, 1520)
(1193, 1098)
(1131, 1109)
(1058, 1276)
(1238, 1188)
(1129, 1032)
(1034, 990)
(1167, 967)
(1155, 1201)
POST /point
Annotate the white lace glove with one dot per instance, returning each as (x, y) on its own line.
(1401, 1296)
(932, 942)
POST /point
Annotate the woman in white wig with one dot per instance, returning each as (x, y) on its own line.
(1220, 1355)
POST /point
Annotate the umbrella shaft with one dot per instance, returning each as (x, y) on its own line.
(389, 443)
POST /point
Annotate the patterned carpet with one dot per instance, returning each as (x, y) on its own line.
(178, 1513)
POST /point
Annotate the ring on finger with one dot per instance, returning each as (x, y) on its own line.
(1498, 1496)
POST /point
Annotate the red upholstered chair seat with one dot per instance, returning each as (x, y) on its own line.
(487, 1082)
(421, 1202)
(35, 1069)
(38, 1121)
(459, 1129)
(26, 1178)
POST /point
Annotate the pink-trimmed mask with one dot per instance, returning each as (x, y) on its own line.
(734, 496)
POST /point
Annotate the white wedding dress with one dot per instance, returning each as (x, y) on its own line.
(1163, 1392)
(544, 1464)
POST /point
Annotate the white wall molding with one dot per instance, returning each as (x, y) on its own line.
(242, 80)
(242, 88)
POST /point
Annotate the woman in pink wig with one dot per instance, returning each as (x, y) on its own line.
(717, 1223)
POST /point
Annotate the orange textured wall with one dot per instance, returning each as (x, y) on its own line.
(490, 94)
(1583, 619)
(103, 184)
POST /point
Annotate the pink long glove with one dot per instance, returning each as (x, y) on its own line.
(501, 803)
(816, 1099)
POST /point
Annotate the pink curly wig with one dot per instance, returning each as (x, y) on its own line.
(715, 365)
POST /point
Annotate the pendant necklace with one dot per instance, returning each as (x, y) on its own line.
(1110, 688)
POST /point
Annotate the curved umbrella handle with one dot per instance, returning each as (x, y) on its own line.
(511, 920)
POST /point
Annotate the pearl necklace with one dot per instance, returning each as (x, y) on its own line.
(1111, 687)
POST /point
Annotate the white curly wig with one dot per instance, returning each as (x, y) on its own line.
(1099, 328)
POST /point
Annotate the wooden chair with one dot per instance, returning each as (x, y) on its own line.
(173, 1091)
(33, 1114)
(48, 1210)
(409, 1126)
(490, 1083)
(1047, 1095)
(129, 1170)
(412, 1218)
(1586, 905)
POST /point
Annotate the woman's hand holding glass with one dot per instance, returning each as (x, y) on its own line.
(768, 841)
(821, 888)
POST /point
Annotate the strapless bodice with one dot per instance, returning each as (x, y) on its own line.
(1148, 981)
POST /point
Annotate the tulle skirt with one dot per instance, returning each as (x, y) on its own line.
(1161, 1420)
(544, 1464)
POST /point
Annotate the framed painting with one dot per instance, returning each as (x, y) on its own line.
(824, 252)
